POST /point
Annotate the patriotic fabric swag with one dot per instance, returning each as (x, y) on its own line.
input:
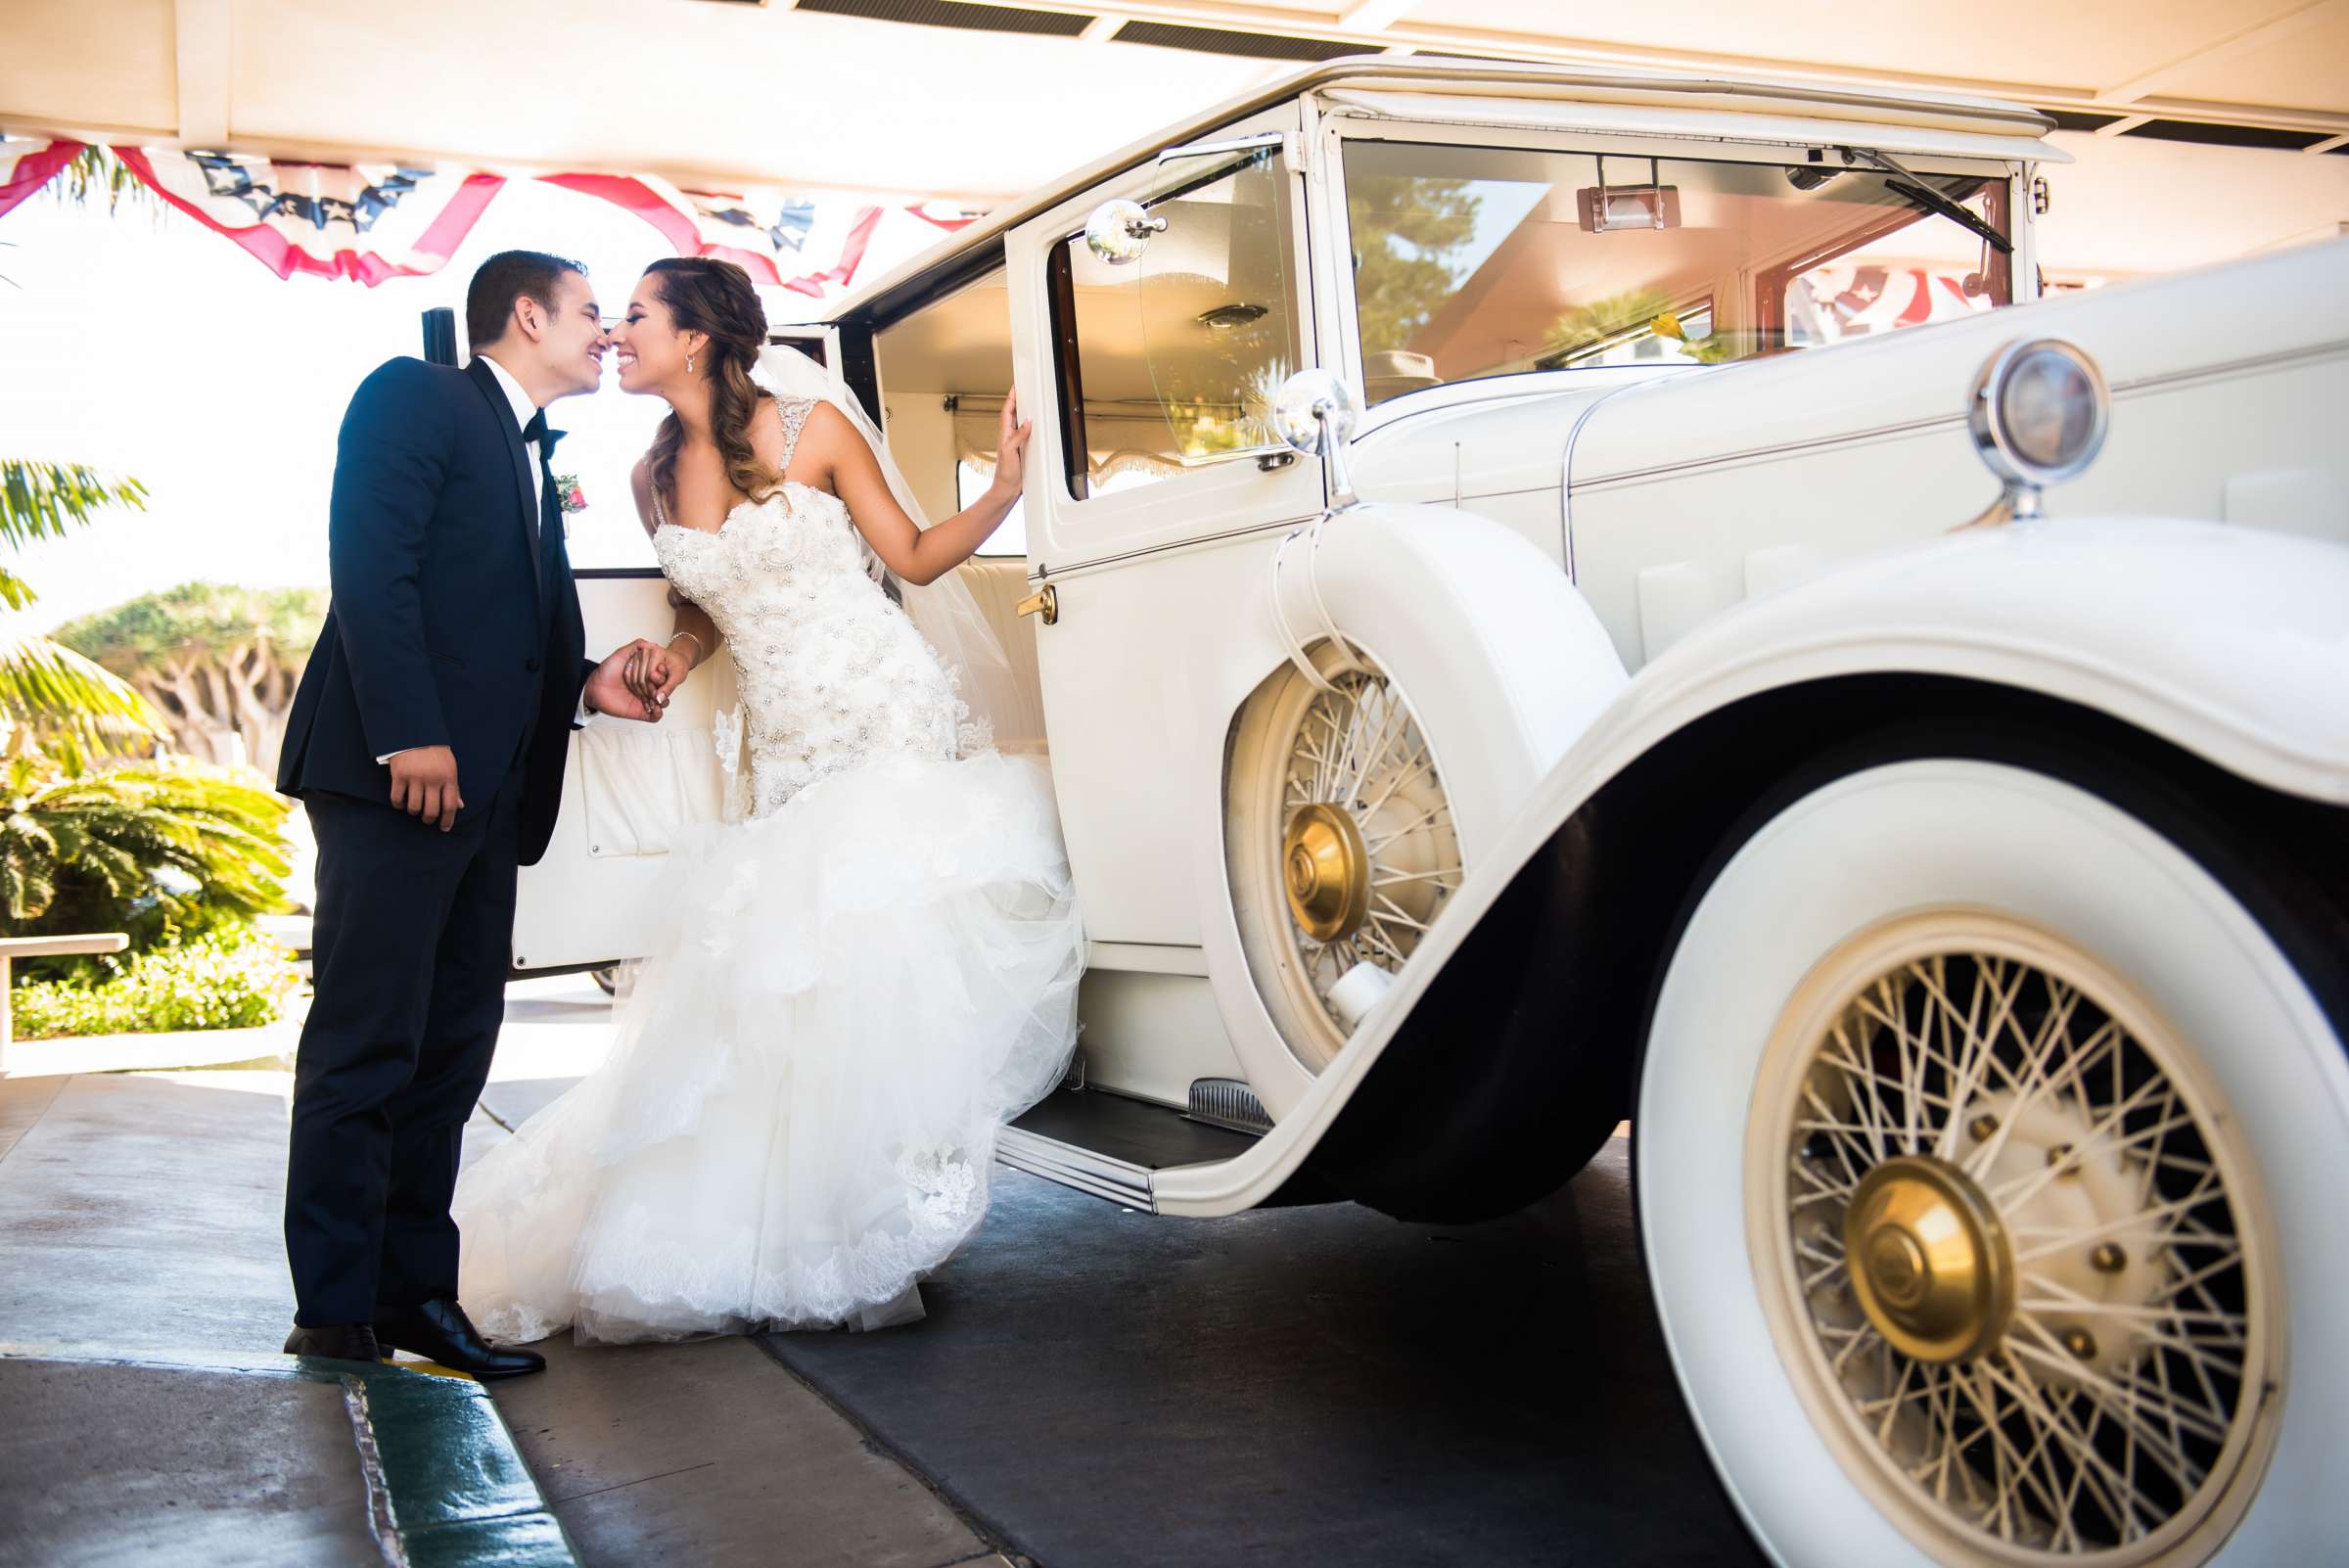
(373, 222)
(815, 249)
(27, 165)
(364, 221)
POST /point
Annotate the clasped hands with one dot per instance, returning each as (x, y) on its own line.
(636, 680)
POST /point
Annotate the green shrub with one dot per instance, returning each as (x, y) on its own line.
(162, 851)
(229, 976)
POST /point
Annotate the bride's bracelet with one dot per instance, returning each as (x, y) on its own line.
(699, 653)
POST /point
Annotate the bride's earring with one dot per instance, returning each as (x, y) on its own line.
(689, 364)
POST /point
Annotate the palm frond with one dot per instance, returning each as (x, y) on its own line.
(96, 170)
(141, 845)
(49, 687)
(44, 501)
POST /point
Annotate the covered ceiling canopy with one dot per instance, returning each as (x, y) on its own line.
(973, 103)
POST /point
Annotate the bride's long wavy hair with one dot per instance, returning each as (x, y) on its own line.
(714, 296)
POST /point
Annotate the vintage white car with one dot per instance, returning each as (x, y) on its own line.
(1544, 613)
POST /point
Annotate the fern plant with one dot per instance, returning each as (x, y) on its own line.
(151, 849)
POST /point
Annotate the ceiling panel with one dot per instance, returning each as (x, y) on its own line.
(2309, 70)
(2086, 44)
(98, 63)
(713, 92)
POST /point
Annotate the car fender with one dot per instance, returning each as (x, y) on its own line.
(2230, 644)
(1499, 659)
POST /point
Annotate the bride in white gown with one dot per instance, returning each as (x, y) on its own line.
(864, 975)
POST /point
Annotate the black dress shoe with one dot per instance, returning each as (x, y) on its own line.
(342, 1342)
(439, 1331)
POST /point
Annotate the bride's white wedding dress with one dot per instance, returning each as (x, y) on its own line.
(864, 978)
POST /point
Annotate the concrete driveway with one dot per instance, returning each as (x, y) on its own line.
(1094, 1388)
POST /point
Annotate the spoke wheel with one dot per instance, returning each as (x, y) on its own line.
(1982, 960)
(2009, 1247)
(1342, 850)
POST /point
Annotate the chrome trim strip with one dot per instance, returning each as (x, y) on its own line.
(1782, 449)
(1260, 527)
(1117, 1180)
(1237, 143)
(1566, 471)
(2120, 388)
(1147, 957)
(1038, 575)
(2231, 367)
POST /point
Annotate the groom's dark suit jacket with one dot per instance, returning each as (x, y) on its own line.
(455, 620)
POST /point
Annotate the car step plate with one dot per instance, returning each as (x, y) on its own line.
(1111, 1146)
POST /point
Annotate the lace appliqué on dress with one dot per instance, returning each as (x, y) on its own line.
(833, 673)
(725, 736)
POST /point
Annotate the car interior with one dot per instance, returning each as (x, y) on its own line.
(944, 371)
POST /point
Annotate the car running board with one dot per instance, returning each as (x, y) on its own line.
(1111, 1146)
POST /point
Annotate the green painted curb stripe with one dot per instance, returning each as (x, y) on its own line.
(449, 1486)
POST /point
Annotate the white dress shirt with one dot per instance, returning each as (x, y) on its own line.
(523, 410)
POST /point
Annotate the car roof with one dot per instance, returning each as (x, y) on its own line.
(1422, 73)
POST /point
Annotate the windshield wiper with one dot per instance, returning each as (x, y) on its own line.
(1912, 186)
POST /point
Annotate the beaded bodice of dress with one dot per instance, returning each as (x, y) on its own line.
(830, 670)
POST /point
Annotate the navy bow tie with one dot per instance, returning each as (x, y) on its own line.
(537, 431)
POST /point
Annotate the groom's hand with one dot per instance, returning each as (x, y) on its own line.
(423, 784)
(607, 688)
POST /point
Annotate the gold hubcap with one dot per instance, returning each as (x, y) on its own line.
(1327, 872)
(1931, 1261)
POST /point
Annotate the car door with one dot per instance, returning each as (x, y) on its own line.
(1155, 496)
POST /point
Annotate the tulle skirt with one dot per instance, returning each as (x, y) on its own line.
(799, 1115)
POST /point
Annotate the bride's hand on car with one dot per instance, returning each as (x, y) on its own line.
(1011, 447)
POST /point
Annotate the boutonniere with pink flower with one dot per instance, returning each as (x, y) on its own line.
(568, 492)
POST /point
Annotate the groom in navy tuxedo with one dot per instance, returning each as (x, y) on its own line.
(427, 742)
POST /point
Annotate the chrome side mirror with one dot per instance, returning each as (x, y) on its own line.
(2038, 416)
(1315, 413)
(1119, 231)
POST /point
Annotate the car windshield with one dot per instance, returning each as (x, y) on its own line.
(1483, 262)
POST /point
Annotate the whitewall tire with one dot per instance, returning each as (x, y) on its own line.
(2127, 1345)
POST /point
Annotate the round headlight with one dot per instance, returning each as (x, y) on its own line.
(2039, 412)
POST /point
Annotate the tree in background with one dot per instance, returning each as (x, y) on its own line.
(219, 663)
(1405, 228)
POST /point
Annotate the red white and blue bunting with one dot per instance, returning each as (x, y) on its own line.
(791, 242)
(364, 221)
(373, 222)
(27, 165)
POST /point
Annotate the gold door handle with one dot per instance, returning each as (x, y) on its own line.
(1046, 599)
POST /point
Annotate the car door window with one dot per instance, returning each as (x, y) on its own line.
(1172, 361)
